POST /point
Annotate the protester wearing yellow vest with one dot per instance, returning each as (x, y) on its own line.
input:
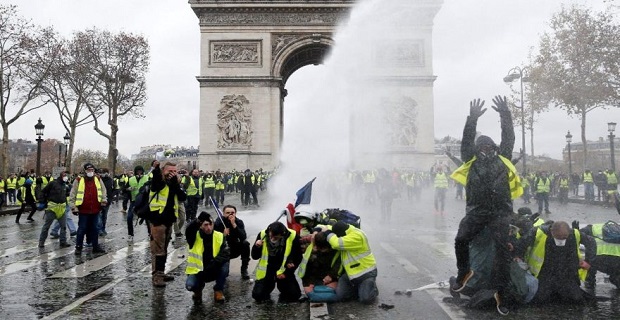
(220, 186)
(278, 252)
(564, 185)
(209, 187)
(165, 195)
(359, 280)
(588, 184)
(207, 258)
(54, 196)
(607, 257)
(134, 183)
(612, 184)
(491, 183)
(543, 188)
(320, 269)
(194, 185)
(2, 192)
(11, 189)
(554, 259)
(441, 188)
(88, 196)
(26, 197)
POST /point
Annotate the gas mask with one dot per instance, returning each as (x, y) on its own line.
(90, 174)
(65, 178)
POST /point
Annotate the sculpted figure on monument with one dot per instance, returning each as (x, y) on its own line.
(402, 119)
(234, 121)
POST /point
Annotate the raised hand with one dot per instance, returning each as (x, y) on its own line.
(501, 105)
(475, 108)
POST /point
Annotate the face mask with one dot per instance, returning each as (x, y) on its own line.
(90, 174)
(65, 178)
(559, 243)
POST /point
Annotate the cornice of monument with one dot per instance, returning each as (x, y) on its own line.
(239, 81)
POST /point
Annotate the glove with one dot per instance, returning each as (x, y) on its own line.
(501, 106)
(41, 205)
(575, 224)
(475, 108)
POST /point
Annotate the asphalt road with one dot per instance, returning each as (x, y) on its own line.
(414, 249)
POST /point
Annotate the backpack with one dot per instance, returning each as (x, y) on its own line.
(331, 216)
(611, 232)
(141, 205)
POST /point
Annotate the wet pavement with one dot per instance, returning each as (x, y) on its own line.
(414, 249)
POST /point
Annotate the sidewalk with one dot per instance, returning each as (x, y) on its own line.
(8, 210)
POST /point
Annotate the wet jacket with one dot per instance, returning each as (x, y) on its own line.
(488, 186)
(275, 261)
(207, 252)
(55, 191)
(236, 236)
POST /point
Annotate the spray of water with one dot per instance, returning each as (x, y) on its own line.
(344, 114)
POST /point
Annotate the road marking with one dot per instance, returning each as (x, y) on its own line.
(453, 312)
(97, 292)
(175, 258)
(406, 264)
(90, 266)
(83, 299)
(318, 310)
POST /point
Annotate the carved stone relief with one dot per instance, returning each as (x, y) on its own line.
(401, 117)
(234, 122)
(402, 53)
(280, 41)
(227, 53)
(273, 17)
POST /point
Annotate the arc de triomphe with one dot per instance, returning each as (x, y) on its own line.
(250, 48)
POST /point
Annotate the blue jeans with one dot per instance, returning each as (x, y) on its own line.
(70, 224)
(103, 218)
(363, 288)
(196, 282)
(589, 186)
(87, 225)
(130, 218)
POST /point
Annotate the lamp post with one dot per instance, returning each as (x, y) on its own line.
(514, 74)
(38, 128)
(611, 127)
(67, 139)
(569, 139)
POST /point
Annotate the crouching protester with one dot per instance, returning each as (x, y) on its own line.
(233, 229)
(360, 266)
(207, 258)
(279, 253)
(607, 256)
(319, 270)
(54, 199)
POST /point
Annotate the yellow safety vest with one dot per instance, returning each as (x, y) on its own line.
(604, 248)
(23, 193)
(544, 185)
(611, 178)
(355, 262)
(536, 257)
(2, 186)
(441, 181)
(79, 196)
(261, 268)
(219, 185)
(516, 190)
(57, 208)
(194, 255)
(11, 183)
(209, 183)
(564, 183)
(587, 177)
(301, 270)
(159, 200)
(192, 190)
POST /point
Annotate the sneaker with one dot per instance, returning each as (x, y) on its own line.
(218, 296)
(461, 281)
(78, 250)
(54, 236)
(64, 245)
(103, 234)
(41, 244)
(500, 307)
(30, 220)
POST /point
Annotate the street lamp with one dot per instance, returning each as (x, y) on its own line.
(67, 138)
(38, 128)
(569, 139)
(514, 74)
(611, 127)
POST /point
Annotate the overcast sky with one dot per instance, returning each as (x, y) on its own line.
(475, 43)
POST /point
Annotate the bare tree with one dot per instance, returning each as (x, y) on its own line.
(120, 62)
(26, 52)
(70, 88)
(575, 64)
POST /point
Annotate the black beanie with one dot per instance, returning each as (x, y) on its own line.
(485, 140)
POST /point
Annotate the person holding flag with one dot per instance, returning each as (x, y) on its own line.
(233, 229)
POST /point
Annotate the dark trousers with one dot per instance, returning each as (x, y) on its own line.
(470, 226)
(288, 287)
(608, 265)
(440, 198)
(191, 207)
(219, 196)
(196, 282)
(543, 201)
(558, 290)
(87, 226)
(126, 198)
(240, 250)
(33, 209)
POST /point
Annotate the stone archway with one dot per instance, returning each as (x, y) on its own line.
(249, 49)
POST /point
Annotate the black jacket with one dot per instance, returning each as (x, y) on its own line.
(168, 216)
(275, 262)
(55, 191)
(237, 235)
(211, 264)
(488, 189)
